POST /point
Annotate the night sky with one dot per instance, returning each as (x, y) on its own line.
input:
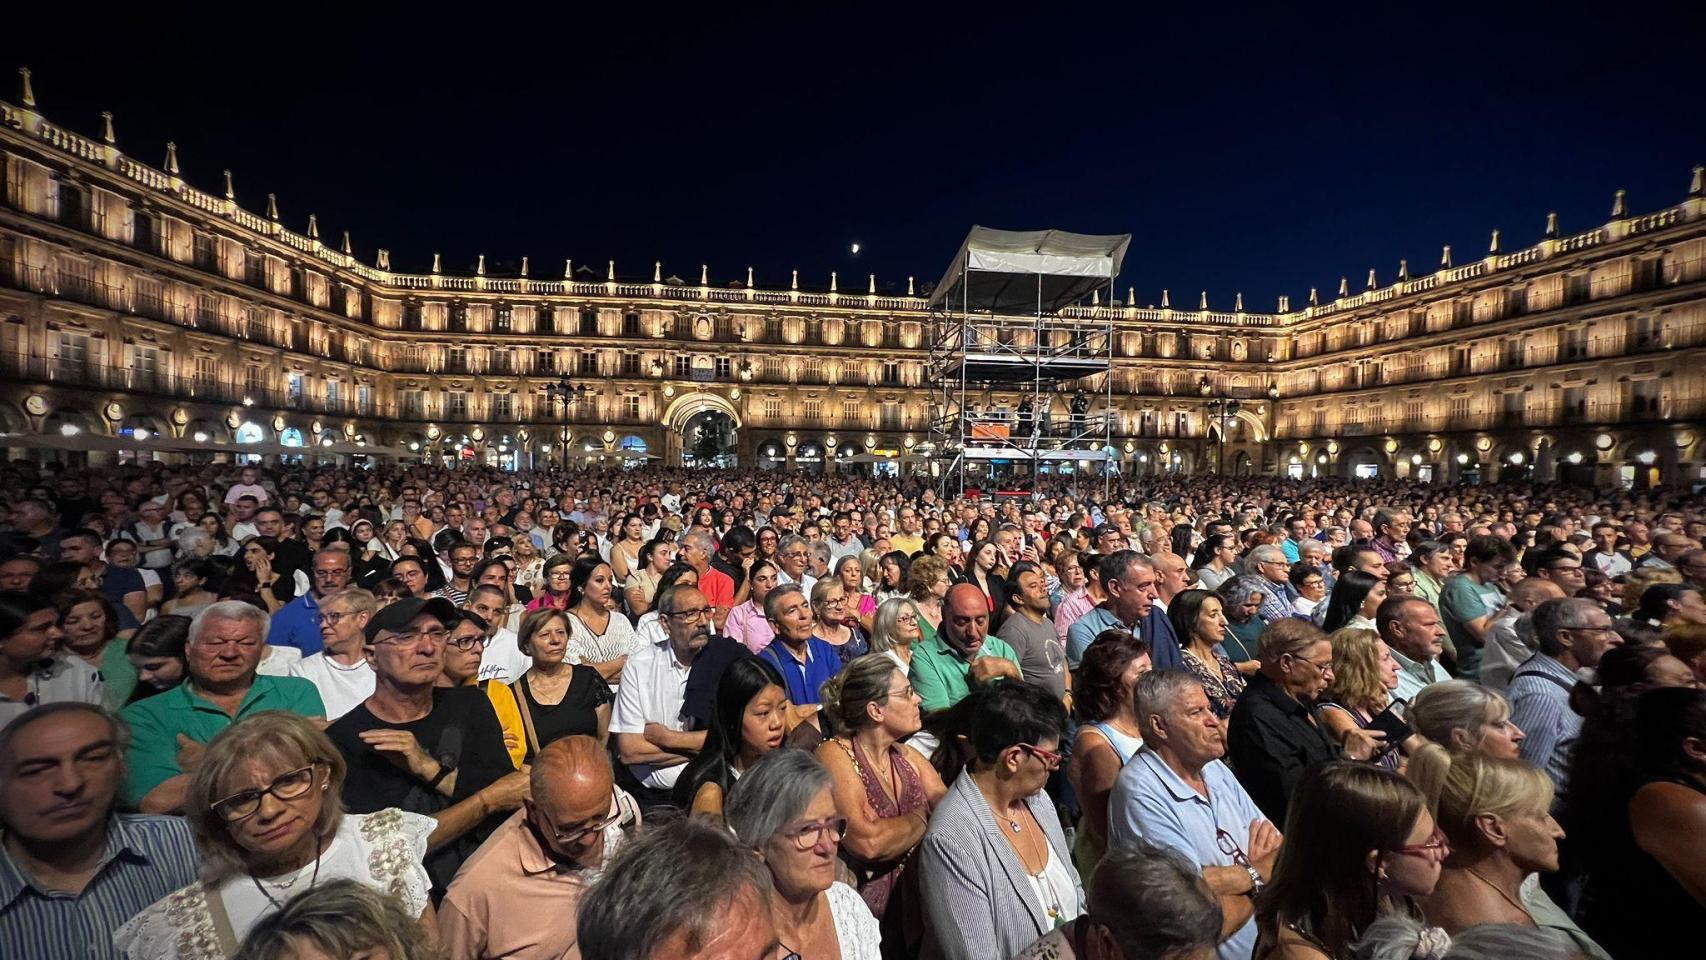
(1243, 153)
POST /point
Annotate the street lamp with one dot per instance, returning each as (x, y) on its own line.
(1223, 409)
(565, 391)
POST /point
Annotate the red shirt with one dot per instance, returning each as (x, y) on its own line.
(717, 588)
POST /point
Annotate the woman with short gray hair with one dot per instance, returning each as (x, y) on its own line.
(784, 807)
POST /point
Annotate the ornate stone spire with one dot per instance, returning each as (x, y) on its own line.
(171, 158)
(1202, 301)
(1166, 299)
(795, 283)
(1552, 225)
(610, 272)
(1314, 297)
(1445, 258)
(1403, 270)
(568, 269)
(1697, 183)
(435, 263)
(230, 192)
(313, 227)
(480, 266)
(910, 287)
(833, 282)
(107, 134)
(749, 278)
(272, 207)
(1238, 303)
(1344, 286)
(1494, 246)
(348, 250)
(704, 275)
(1285, 303)
(872, 289)
(1619, 204)
(1131, 296)
(26, 96)
(524, 266)
(384, 259)
(1372, 284)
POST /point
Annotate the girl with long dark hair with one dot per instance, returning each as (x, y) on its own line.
(1355, 599)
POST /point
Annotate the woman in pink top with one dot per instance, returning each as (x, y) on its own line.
(1076, 601)
(746, 621)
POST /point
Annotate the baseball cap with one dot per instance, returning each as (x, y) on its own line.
(400, 614)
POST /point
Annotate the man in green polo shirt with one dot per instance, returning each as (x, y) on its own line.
(169, 730)
(962, 652)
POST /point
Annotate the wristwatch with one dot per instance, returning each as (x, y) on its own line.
(446, 768)
(1256, 881)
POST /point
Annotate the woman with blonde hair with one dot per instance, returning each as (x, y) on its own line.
(1364, 676)
(342, 918)
(927, 583)
(1642, 578)
(265, 804)
(1466, 717)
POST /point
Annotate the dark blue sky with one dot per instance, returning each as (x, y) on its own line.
(1261, 153)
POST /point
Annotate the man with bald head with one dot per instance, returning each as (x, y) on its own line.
(1510, 638)
(518, 895)
(962, 652)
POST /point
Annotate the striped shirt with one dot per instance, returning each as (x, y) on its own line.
(145, 859)
(1540, 707)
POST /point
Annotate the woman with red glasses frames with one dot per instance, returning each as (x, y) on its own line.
(1359, 843)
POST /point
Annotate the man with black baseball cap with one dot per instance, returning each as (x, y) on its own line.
(421, 747)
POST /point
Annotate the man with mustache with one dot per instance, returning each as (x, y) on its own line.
(648, 722)
(72, 870)
(421, 747)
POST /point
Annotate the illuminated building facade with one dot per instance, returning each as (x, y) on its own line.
(137, 307)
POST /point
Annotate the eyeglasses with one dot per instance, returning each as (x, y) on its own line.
(1050, 759)
(907, 618)
(468, 643)
(1437, 847)
(290, 786)
(580, 833)
(905, 691)
(1323, 668)
(334, 617)
(1230, 848)
(688, 616)
(807, 836)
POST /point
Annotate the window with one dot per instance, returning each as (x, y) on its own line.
(144, 367)
(502, 317)
(74, 208)
(294, 390)
(631, 364)
(412, 405)
(891, 374)
(545, 361)
(411, 316)
(458, 360)
(255, 268)
(458, 405)
(589, 322)
(852, 412)
(503, 361)
(334, 392)
(254, 323)
(589, 364)
(773, 409)
(458, 317)
(503, 406)
(773, 329)
(775, 369)
(631, 407)
(547, 319)
(890, 416)
(206, 372)
(813, 371)
(254, 380)
(725, 368)
(814, 410)
(1459, 410)
(145, 233)
(683, 365)
(631, 324)
(73, 354)
(364, 398)
(206, 252)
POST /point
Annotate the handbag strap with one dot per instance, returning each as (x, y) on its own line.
(221, 921)
(526, 714)
(1544, 676)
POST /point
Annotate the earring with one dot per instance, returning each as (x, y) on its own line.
(1382, 873)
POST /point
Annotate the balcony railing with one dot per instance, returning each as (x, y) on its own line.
(200, 386)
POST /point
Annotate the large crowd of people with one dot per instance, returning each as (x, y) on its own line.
(417, 713)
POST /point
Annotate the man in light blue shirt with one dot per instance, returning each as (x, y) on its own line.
(1128, 578)
(1176, 793)
(1412, 629)
(1572, 633)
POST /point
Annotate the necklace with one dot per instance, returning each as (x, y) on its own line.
(277, 905)
(1500, 891)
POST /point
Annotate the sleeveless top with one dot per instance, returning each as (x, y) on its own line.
(1087, 851)
(877, 879)
(1635, 907)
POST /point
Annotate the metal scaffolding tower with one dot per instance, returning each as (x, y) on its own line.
(1014, 366)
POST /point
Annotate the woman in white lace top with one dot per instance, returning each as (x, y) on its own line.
(265, 806)
(784, 806)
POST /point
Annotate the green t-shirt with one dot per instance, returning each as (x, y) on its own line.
(1460, 601)
(156, 722)
(940, 676)
(118, 674)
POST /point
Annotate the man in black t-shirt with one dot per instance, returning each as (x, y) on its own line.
(426, 749)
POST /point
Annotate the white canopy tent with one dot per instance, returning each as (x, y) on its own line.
(1024, 272)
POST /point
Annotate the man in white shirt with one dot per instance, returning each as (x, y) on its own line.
(503, 660)
(795, 555)
(339, 671)
(647, 721)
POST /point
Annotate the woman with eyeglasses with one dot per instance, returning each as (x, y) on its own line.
(1359, 843)
(464, 648)
(269, 823)
(883, 786)
(749, 715)
(994, 867)
(836, 626)
(558, 698)
(784, 808)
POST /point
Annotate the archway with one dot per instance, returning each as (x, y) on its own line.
(708, 440)
(686, 413)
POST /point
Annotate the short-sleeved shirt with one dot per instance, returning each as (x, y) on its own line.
(1151, 802)
(804, 678)
(63, 679)
(297, 624)
(941, 676)
(342, 688)
(653, 688)
(718, 589)
(156, 722)
(1460, 601)
(1087, 628)
(1042, 659)
(144, 859)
